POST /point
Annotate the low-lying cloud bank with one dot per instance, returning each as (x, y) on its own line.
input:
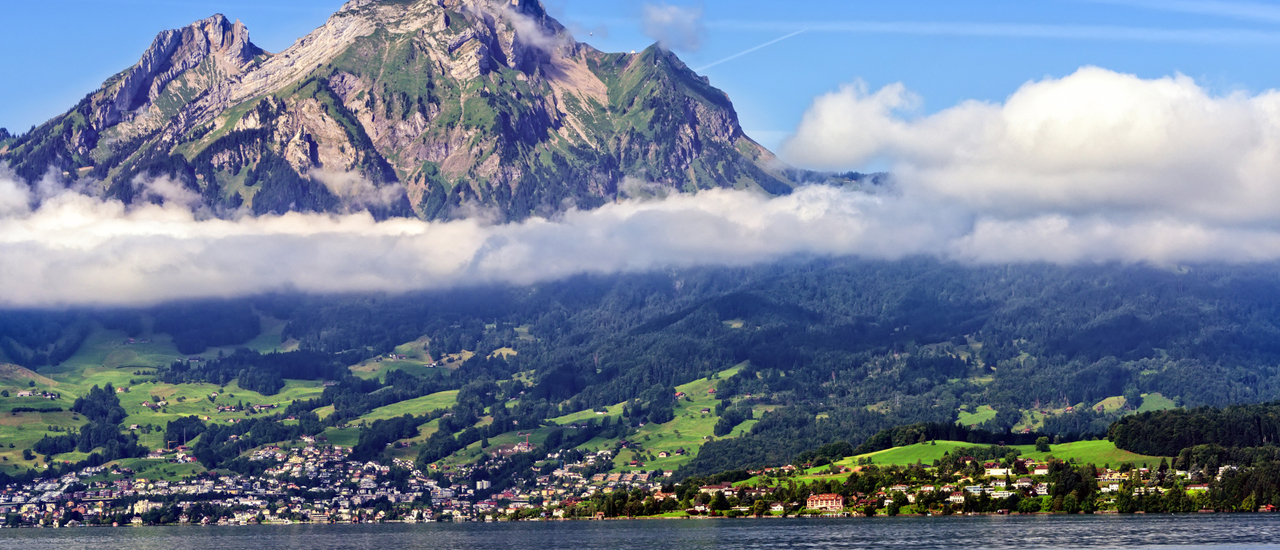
(1094, 167)
(78, 249)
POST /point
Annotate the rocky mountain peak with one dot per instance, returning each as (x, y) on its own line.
(419, 108)
(224, 44)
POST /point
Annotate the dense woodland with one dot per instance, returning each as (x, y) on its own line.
(840, 349)
(1167, 433)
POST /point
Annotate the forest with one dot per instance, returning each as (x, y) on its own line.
(838, 350)
(1168, 433)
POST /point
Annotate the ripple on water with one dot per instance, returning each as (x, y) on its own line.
(1223, 531)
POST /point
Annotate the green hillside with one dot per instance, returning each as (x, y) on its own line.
(692, 427)
(924, 453)
(1099, 452)
(808, 349)
(426, 403)
(112, 357)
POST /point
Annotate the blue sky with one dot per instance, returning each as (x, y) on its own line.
(945, 51)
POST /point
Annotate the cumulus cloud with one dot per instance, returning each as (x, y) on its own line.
(1093, 167)
(1094, 142)
(673, 27)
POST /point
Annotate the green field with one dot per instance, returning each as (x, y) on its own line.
(982, 414)
(1156, 402)
(107, 358)
(1099, 452)
(411, 453)
(270, 340)
(424, 404)
(922, 452)
(689, 430)
(1111, 404)
(416, 361)
(582, 416)
(343, 437)
(155, 470)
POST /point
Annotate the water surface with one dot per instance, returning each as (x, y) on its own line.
(1234, 531)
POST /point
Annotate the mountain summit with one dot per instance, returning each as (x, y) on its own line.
(413, 108)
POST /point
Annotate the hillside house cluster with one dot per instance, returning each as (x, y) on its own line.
(309, 481)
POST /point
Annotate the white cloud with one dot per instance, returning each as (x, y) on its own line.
(673, 27)
(1242, 10)
(1094, 167)
(356, 190)
(74, 249)
(1094, 239)
(528, 30)
(1090, 33)
(1093, 142)
(77, 249)
(15, 197)
(166, 191)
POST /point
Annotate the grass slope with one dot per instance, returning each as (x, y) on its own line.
(982, 414)
(689, 430)
(1099, 452)
(1156, 402)
(107, 358)
(424, 404)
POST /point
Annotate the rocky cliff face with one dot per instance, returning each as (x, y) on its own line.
(224, 46)
(404, 108)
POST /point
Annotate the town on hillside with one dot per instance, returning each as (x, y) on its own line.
(309, 481)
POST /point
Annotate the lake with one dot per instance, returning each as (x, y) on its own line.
(1239, 531)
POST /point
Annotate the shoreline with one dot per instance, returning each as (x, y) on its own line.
(646, 518)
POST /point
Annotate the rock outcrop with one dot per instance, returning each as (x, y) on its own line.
(174, 53)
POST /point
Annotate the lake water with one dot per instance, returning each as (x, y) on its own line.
(1239, 531)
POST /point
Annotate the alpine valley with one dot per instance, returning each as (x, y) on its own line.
(613, 394)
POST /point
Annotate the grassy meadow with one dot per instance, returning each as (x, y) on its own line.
(1100, 452)
(108, 357)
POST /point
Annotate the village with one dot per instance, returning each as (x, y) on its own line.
(308, 482)
(303, 483)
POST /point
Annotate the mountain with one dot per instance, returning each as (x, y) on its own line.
(800, 355)
(414, 108)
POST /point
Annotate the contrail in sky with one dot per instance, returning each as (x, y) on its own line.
(1241, 10)
(1014, 30)
(747, 51)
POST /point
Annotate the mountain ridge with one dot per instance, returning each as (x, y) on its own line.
(404, 108)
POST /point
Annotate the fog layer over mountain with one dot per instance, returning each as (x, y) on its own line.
(1094, 167)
